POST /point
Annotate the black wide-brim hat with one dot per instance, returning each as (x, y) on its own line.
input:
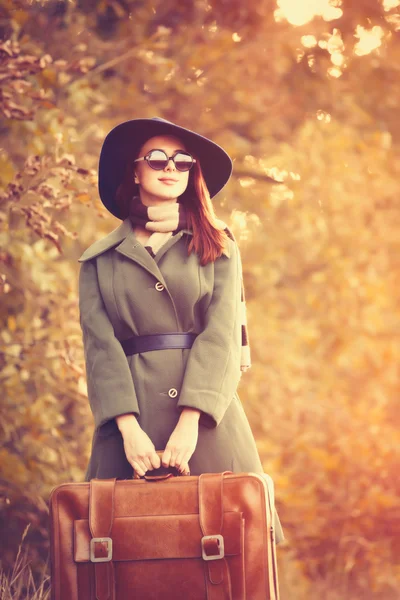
(124, 141)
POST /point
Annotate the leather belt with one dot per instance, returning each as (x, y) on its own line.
(157, 341)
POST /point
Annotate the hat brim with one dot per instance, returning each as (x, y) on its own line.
(122, 142)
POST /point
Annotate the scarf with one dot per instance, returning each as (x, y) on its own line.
(165, 221)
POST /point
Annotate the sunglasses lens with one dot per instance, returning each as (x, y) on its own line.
(157, 160)
(183, 162)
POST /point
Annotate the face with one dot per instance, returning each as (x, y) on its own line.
(167, 184)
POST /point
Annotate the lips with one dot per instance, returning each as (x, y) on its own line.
(168, 180)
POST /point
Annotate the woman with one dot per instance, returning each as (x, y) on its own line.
(162, 311)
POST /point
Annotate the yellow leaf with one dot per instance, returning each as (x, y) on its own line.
(11, 323)
(82, 197)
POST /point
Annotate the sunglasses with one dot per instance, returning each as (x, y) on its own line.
(158, 160)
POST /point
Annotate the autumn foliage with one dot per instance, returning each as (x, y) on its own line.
(307, 105)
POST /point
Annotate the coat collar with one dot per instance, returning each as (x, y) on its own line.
(122, 232)
(112, 239)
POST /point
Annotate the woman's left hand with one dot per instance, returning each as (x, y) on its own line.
(182, 442)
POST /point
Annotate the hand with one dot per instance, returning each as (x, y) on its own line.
(139, 449)
(182, 442)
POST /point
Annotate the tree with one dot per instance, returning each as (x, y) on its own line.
(308, 101)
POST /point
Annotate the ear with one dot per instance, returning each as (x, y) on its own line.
(136, 178)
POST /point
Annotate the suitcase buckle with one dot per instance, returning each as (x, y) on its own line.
(220, 541)
(103, 540)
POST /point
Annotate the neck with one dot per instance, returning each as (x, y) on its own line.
(150, 200)
(169, 215)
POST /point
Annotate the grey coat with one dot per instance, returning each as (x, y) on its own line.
(123, 292)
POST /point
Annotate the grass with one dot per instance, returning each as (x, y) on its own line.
(20, 583)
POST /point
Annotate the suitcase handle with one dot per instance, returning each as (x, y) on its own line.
(160, 473)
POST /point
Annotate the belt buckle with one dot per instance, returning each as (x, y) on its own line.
(106, 540)
(221, 552)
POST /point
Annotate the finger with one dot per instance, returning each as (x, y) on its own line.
(147, 463)
(166, 457)
(185, 465)
(137, 468)
(180, 458)
(172, 460)
(184, 468)
(155, 460)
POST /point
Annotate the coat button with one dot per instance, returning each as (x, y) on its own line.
(172, 393)
(159, 286)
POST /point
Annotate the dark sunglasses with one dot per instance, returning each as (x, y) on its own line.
(158, 160)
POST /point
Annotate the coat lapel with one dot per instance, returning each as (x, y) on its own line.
(125, 242)
(112, 239)
(133, 249)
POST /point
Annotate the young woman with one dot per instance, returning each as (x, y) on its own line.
(162, 311)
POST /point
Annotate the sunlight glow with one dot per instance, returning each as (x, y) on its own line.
(243, 222)
(323, 116)
(311, 61)
(337, 59)
(369, 40)
(246, 181)
(280, 195)
(274, 172)
(335, 43)
(300, 13)
(335, 72)
(308, 41)
(263, 164)
(335, 47)
(394, 20)
(389, 4)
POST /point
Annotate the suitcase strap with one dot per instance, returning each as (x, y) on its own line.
(211, 516)
(101, 515)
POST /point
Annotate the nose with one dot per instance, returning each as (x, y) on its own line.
(170, 166)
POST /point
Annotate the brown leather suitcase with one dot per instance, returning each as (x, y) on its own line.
(207, 537)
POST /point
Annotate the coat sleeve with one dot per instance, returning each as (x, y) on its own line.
(110, 385)
(213, 370)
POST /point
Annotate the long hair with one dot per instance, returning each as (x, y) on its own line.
(208, 241)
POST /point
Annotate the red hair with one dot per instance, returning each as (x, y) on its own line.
(208, 241)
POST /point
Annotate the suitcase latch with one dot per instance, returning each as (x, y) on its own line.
(100, 540)
(220, 544)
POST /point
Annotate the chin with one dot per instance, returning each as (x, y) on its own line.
(169, 194)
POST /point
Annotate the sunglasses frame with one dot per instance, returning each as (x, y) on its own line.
(168, 158)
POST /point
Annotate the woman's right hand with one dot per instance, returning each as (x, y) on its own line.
(139, 449)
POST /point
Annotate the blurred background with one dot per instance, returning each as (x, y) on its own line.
(304, 95)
